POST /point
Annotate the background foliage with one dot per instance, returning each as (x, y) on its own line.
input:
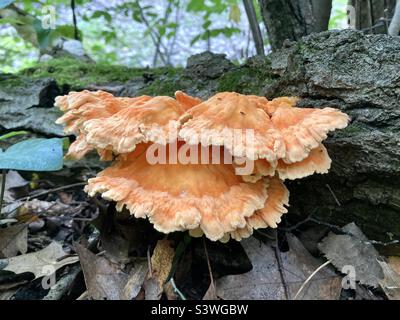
(136, 33)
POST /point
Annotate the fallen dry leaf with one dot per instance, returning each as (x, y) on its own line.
(104, 279)
(40, 263)
(136, 278)
(394, 262)
(264, 280)
(13, 239)
(13, 180)
(161, 263)
(390, 284)
(353, 249)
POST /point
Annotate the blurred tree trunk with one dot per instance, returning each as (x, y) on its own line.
(372, 16)
(293, 19)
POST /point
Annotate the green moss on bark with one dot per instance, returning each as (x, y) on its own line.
(79, 74)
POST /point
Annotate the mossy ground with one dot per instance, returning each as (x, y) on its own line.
(79, 74)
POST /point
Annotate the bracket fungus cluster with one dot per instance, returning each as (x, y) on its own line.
(214, 167)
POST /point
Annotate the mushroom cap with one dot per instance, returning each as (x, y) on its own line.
(224, 119)
(86, 105)
(303, 129)
(186, 101)
(155, 120)
(269, 216)
(318, 161)
(178, 197)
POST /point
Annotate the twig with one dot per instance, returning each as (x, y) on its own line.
(83, 296)
(255, 28)
(159, 37)
(280, 268)
(51, 190)
(310, 277)
(333, 195)
(76, 33)
(151, 32)
(212, 284)
(149, 262)
(180, 294)
(3, 188)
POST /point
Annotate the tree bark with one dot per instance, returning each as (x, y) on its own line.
(370, 15)
(349, 70)
(293, 19)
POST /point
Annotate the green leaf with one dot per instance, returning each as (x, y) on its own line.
(43, 35)
(5, 3)
(196, 6)
(33, 155)
(104, 14)
(12, 134)
(66, 31)
(10, 20)
(195, 39)
(234, 14)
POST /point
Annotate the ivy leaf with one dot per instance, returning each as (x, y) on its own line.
(33, 155)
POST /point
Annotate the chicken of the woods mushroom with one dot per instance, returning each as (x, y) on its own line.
(213, 167)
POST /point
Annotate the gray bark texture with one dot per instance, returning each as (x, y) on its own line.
(293, 19)
(360, 74)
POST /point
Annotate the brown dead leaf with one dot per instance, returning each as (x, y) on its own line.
(394, 262)
(51, 258)
(391, 281)
(264, 281)
(161, 263)
(353, 249)
(136, 278)
(104, 280)
(13, 180)
(13, 239)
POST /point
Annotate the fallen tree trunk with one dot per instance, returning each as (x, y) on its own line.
(360, 74)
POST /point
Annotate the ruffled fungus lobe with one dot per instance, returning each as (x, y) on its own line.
(269, 216)
(178, 197)
(186, 101)
(217, 120)
(303, 129)
(204, 198)
(155, 120)
(80, 107)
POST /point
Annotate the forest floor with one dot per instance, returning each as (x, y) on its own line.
(57, 243)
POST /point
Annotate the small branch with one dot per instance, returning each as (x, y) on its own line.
(280, 268)
(3, 188)
(333, 195)
(151, 31)
(212, 284)
(310, 277)
(51, 190)
(177, 291)
(76, 33)
(159, 37)
(255, 28)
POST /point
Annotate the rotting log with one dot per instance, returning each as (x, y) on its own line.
(360, 74)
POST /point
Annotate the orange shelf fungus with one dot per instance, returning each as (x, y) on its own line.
(213, 167)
